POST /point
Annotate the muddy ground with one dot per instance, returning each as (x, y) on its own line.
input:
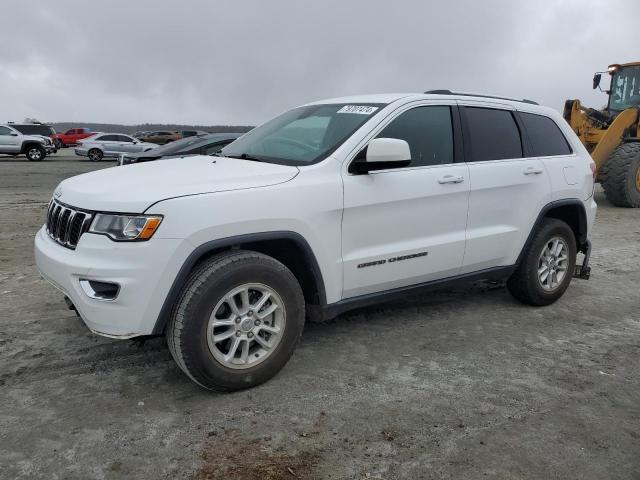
(453, 385)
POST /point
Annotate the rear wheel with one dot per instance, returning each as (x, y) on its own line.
(237, 322)
(621, 176)
(547, 266)
(95, 155)
(35, 153)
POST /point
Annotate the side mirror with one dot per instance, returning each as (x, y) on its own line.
(381, 154)
(596, 80)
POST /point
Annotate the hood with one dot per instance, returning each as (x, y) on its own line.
(37, 138)
(134, 188)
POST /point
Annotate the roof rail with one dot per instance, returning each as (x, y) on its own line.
(449, 92)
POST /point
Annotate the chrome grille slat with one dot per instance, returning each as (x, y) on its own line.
(54, 220)
(67, 233)
(86, 224)
(66, 224)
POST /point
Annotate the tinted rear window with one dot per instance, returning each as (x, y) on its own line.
(34, 129)
(493, 134)
(545, 136)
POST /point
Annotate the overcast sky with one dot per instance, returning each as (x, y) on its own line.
(241, 62)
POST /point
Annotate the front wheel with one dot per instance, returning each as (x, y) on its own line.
(547, 266)
(237, 321)
(35, 153)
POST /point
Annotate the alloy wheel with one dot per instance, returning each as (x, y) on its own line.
(246, 326)
(553, 263)
(35, 153)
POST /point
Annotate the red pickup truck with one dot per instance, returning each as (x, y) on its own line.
(71, 137)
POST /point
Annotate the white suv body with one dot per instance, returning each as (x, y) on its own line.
(408, 197)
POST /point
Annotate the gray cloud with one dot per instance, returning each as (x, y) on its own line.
(242, 62)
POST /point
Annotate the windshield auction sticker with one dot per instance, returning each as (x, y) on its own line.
(359, 109)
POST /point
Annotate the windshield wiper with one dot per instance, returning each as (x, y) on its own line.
(243, 156)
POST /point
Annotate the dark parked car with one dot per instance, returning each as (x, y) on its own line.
(202, 145)
(192, 133)
(161, 137)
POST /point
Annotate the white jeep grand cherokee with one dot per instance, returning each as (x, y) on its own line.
(331, 206)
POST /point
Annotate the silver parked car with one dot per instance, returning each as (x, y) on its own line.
(110, 145)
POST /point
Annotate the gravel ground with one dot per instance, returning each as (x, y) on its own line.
(453, 385)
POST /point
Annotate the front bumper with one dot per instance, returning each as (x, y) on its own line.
(81, 152)
(143, 270)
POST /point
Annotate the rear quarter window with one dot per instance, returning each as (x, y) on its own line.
(545, 137)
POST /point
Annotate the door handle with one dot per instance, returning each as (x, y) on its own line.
(451, 179)
(532, 171)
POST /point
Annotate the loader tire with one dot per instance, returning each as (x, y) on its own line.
(620, 176)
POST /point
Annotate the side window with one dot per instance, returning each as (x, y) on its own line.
(493, 134)
(428, 131)
(108, 138)
(70, 132)
(124, 138)
(24, 129)
(545, 136)
(5, 131)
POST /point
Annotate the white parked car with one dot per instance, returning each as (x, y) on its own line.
(331, 206)
(110, 145)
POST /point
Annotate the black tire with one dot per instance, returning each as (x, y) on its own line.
(95, 154)
(35, 153)
(209, 282)
(524, 284)
(620, 176)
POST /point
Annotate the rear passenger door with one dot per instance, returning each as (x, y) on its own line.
(507, 190)
(406, 226)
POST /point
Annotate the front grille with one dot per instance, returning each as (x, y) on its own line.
(66, 224)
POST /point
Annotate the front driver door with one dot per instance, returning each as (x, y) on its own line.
(109, 144)
(406, 226)
(128, 144)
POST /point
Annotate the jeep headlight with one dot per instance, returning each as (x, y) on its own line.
(126, 227)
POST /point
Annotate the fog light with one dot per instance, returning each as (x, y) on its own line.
(99, 290)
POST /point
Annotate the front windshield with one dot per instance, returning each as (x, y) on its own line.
(625, 88)
(303, 135)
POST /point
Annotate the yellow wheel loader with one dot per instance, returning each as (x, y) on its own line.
(612, 135)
